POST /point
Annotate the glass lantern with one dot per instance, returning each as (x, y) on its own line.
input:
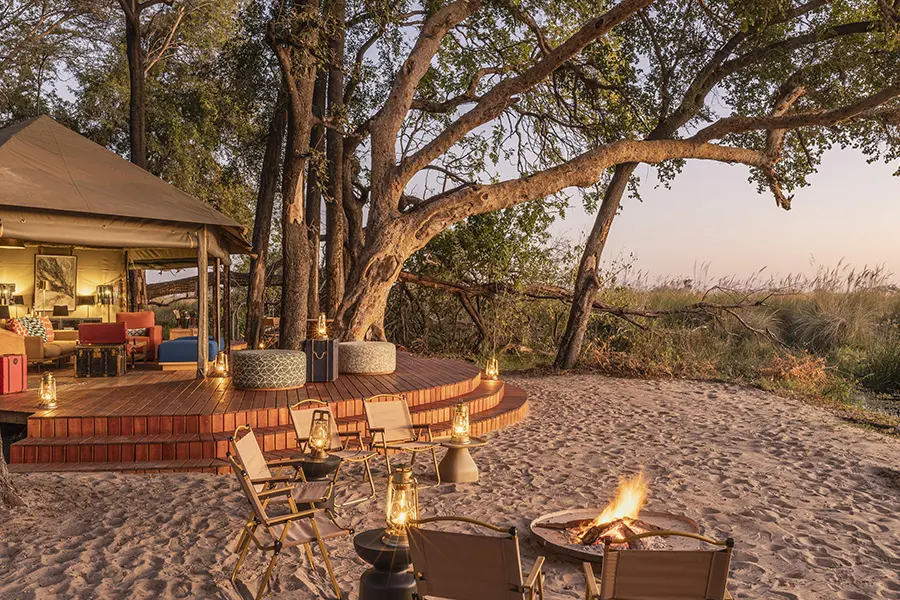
(322, 327)
(402, 506)
(48, 391)
(492, 369)
(459, 433)
(320, 434)
(221, 364)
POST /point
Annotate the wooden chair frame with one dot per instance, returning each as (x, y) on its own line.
(533, 584)
(593, 592)
(361, 455)
(260, 519)
(379, 440)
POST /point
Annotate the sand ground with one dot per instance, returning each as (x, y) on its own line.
(813, 503)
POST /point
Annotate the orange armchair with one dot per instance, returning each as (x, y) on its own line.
(143, 320)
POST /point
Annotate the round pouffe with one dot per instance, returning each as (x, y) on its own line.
(268, 369)
(367, 358)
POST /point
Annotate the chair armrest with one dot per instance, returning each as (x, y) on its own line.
(376, 429)
(427, 429)
(590, 581)
(285, 462)
(280, 491)
(34, 347)
(535, 572)
(350, 435)
(273, 480)
(293, 516)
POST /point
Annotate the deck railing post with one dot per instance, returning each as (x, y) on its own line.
(217, 300)
(202, 305)
(227, 307)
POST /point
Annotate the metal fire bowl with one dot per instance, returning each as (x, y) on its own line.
(557, 541)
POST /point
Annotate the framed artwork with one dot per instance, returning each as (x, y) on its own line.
(54, 281)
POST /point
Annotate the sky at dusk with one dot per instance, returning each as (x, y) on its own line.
(712, 214)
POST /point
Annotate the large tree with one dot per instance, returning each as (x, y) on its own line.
(787, 92)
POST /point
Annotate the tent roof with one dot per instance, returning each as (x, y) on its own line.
(46, 166)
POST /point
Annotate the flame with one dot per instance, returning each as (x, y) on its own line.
(630, 498)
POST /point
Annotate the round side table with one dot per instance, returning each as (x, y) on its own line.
(389, 578)
(457, 465)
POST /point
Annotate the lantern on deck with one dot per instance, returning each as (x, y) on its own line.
(459, 433)
(492, 369)
(402, 506)
(322, 327)
(221, 363)
(48, 391)
(320, 434)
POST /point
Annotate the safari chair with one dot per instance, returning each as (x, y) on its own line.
(463, 566)
(250, 457)
(275, 533)
(392, 430)
(302, 416)
(661, 574)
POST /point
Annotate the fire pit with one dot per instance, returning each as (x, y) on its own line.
(581, 533)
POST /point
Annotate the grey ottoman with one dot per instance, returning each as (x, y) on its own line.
(367, 358)
(268, 369)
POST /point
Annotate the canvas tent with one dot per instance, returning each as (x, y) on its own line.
(59, 188)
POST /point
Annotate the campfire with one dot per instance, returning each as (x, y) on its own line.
(619, 520)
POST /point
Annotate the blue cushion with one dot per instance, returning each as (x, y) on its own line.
(184, 349)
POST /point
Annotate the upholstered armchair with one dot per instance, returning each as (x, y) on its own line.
(143, 320)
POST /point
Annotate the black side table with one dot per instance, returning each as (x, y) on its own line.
(389, 578)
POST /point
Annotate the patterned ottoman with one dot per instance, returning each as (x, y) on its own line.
(268, 369)
(367, 358)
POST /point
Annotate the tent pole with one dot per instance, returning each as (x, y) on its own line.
(202, 305)
(227, 307)
(217, 300)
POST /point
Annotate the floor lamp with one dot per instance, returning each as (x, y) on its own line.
(105, 295)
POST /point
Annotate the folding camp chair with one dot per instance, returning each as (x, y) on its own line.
(302, 416)
(274, 533)
(662, 574)
(392, 430)
(463, 566)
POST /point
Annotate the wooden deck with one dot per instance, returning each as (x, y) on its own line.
(150, 420)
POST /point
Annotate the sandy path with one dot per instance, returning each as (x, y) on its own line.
(814, 504)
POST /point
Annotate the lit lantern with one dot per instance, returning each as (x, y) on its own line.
(322, 327)
(48, 391)
(221, 364)
(262, 345)
(459, 433)
(492, 369)
(402, 506)
(320, 434)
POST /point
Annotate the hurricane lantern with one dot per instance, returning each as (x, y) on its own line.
(459, 434)
(320, 434)
(492, 369)
(402, 506)
(48, 391)
(322, 327)
(221, 363)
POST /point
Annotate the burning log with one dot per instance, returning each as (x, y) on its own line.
(615, 531)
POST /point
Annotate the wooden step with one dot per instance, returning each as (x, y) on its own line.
(163, 466)
(192, 446)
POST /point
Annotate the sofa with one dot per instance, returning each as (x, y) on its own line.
(10, 343)
(59, 346)
(143, 320)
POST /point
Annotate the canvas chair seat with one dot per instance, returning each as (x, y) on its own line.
(354, 455)
(301, 532)
(311, 491)
(412, 446)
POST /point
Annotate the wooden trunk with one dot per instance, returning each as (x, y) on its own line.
(100, 360)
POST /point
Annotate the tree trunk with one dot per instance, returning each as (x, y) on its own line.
(137, 130)
(353, 212)
(587, 282)
(262, 226)
(314, 194)
(9, 497)
(366, 293)
(334, 209)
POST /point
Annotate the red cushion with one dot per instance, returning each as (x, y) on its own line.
(137, 320)
(102, 333)
(48, 327)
